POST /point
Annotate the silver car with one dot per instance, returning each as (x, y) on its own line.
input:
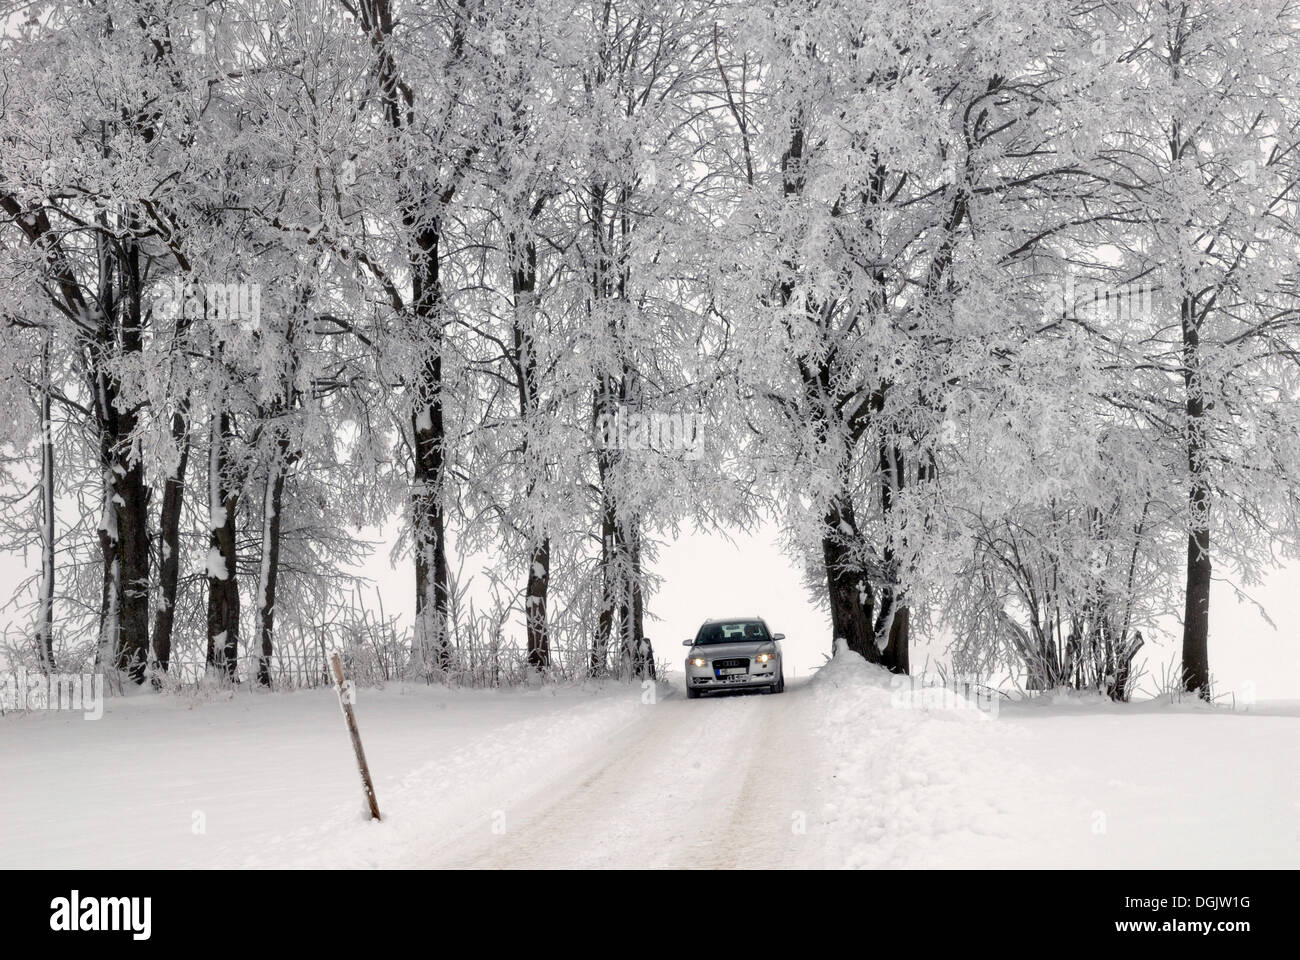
(734, 654)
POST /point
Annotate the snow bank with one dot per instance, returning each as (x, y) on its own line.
(464, 789)
(905, 765)
(1060, 781)
(250, 778)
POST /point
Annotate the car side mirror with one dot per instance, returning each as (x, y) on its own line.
(688, 643)
(778, 636)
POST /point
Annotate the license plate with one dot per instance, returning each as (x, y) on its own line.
(731, 671)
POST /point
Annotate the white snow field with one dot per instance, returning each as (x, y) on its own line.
(842, 770)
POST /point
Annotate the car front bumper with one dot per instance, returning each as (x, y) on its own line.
(706, 678)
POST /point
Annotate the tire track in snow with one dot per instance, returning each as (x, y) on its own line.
(716, 782)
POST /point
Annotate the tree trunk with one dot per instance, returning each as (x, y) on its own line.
(169, 544)
(847, 586)
(432, 600)
(431, 575)
(223, 577)
(123, 532)
(635, 587)
(283, 458)
(268, 580)
(419, 201)
(631, 607)
(539, 576)
(132, 491)
(124, 525)
(892, 631)
(523, 279)
(1196, 614)
(608, 588)
(604, 410)
(110, 577)
(133, 554)
(1124, 655)
(622, 598)
(894, 656)
(423, 234)
(45, 610)
(622, 605)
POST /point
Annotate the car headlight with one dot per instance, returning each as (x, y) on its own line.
(766, 657)
(699, 662)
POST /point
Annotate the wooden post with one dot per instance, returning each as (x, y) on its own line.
(345, 701)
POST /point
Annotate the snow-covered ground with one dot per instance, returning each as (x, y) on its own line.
(847, 769)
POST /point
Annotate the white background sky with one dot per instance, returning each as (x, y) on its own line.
(705, 576)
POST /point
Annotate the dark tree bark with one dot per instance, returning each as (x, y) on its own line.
(169, 544)
(539, 578)
(1196, 613)
(608, 586)
(45, 613)
(848, 587)
(223, 583)
(636, 639)
(124, 529)
(523, 281)
(609, 286)
(893, 624)
(432, 600)
(632, 605)
(133, 553)
(269, 579)
(133, 492)
(284, 457)
(622, 605)
(1124, 655)
(622, 598)
(894, 656)
(124, 546)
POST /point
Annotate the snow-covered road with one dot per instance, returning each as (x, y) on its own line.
(720, 782)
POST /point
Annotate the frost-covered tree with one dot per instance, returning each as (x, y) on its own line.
(1203, 137)
(900, 176)
(98, 125)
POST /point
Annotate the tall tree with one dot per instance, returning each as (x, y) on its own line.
(1209, 147)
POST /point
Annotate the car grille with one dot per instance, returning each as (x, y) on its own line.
(734, 662)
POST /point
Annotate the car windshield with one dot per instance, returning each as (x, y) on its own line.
(738, 630)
